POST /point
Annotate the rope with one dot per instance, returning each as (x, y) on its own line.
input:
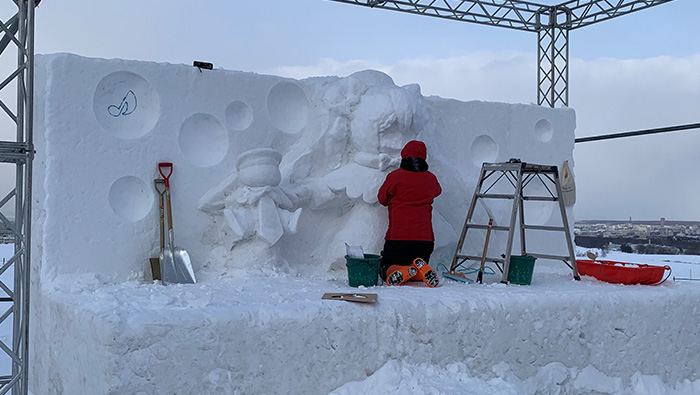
(466, 271)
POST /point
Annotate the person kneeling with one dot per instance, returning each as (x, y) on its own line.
(408, 193)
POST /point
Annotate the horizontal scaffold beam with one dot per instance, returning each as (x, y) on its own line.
(588, 12)
(520, 15)
(515, 14)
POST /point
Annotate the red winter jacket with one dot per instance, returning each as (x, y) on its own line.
(409, 196)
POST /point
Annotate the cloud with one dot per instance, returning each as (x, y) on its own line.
(488, 76)
(644, 177)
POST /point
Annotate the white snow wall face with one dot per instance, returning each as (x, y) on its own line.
(103, 125)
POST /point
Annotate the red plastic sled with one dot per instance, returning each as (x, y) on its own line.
(623, 272)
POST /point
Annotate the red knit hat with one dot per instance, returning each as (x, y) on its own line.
(414, 149)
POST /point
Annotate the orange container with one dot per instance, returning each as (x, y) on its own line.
(623, 272)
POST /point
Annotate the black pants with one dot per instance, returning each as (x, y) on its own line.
(403, 252)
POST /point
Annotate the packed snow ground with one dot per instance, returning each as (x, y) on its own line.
(405, 377)
(280, 305)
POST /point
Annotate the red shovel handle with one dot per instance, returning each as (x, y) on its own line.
(168, 166)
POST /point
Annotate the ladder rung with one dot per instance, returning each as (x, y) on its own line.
(494, 196)
(542, 227)
(483, 226)
(541, 198)
(508, 166)
(478, 258)
(546, 256)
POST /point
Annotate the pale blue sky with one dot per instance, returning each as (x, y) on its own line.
(628, 73)
(264, 34)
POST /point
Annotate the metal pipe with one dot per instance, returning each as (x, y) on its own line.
(638, 133)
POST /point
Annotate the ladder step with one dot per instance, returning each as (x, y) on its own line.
(478, 258)
(541, 198)
(495, 196)
(547, 256)
(483, 226)
(542, 227)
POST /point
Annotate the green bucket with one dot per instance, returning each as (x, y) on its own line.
(520, 270)
(363, 271)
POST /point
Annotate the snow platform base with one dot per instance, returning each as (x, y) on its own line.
(277, 335)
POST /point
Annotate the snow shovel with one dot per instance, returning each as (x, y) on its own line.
(175, 265)
(155, 262)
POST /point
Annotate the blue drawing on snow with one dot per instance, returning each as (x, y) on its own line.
(126, 107)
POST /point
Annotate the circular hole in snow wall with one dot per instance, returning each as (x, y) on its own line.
(288, 107)
(239, 116)
(544, 130)
(126, 105)
(484, 149)
(130, 198)
(203, 140)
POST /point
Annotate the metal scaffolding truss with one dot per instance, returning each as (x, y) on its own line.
(552, 24)
(16, 102)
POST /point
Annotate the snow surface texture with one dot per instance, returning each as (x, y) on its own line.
(273, 176)
(276, 335)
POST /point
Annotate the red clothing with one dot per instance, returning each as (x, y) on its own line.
(409, 196)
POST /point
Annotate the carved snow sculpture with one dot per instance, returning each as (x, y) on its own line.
(332, 169)
(342, 167)
(251, 213)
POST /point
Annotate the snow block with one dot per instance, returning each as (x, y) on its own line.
(265, 167)
(278, 336)
(262, 165)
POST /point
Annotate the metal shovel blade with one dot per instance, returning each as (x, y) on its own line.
(175, 265)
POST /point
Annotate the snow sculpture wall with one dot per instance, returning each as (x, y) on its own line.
(103, 125)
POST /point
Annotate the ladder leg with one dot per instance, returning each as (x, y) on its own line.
(523, 248)
(567, 232)
(470, 213)
(514, 212)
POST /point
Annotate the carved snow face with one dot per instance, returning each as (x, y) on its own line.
(382, 121)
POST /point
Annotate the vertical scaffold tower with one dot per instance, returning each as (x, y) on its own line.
(17, 152)
(552, 24)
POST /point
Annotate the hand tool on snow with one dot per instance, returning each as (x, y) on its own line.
(155, 262)
(351, 297)
(480, 276)
(175, 265)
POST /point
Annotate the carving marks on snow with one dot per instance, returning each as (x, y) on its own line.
(126, 105)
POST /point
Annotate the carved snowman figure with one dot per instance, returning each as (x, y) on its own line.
(252, 213)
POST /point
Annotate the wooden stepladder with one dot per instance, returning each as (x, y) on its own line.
(516, 175)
